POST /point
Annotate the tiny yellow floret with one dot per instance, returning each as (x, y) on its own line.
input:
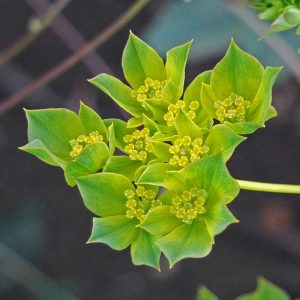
(152, 89)
(140, 202)
(232, 109)
(189, 204)
(173, 110)
(82, 141)
(185, 150)
(138, 144)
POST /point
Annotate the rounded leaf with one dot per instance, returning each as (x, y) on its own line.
(103, 194)
(117, 232)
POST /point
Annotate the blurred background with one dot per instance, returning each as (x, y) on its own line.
(43, 222)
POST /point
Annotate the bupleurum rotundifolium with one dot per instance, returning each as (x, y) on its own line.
(138, 144)
(139, 202)
(232, 109)
(152, 89)
(83, 141)
(187, 150)
(173, 109)
(189, 204)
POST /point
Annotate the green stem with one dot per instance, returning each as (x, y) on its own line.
(269, 187)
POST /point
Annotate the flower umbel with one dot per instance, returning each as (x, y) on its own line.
(152, 89)
(140, 202)
(232, 109)
(186, 150)
(173, 109)
(189, 204)
(79, 144)
(138, 144)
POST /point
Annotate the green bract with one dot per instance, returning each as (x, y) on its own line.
(240, 92)
(153, 84)
(265, 291)
(76, 143)
(194, 209)
(121, 207)
(166, 188)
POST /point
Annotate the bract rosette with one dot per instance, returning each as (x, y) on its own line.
(153, 85)
(121, 206)
(194, 209)
(79, 144)
(240, 91)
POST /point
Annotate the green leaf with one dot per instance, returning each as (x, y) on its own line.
(37, 148)
(270, 113)
(92, 121)
(117, 231)
(243, 127)
(119, 92)
(149, 123)
(208, 99)
(135, 122)
(266, 291)
(206, 294)
(238, 72)
(185, 126)
(170, 93)
(176, 182)
(140, 61)
(122, 165)
(222, 139)
(111, 139)
(160, 221)
(90, 160)
(161, 150)
(103, 194)
(218, 218)
(155, 174)
(186, 241)
(193, 93)
(262, 100)
(120, 130)
(211, 174)
(175, 66)
(144, 251)
(292, 16)
(158, 108)
(55, 128)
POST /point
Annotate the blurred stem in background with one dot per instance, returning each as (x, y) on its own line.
(117, 25)
(36, 27)
(71, 37)
(269, 187)
(25, 274)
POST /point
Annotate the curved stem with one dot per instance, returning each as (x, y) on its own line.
(269, 187)
(42, 23)
(72, 60)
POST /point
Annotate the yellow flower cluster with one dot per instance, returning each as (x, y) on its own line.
(186, 150)
(152, 89)
(79, 144)
(138, 144)
(139, 202)
(232, 109)
(173, 109)
(189, 204)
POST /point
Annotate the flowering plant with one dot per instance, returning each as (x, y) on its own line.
(265, 291)
(284, 14)
(169, 190)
